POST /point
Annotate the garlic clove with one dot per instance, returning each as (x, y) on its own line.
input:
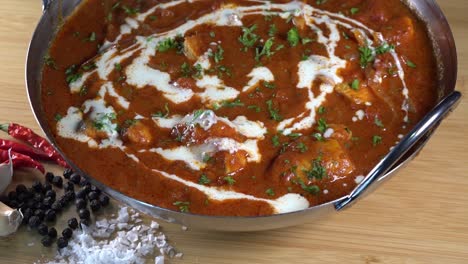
(6, 173)
(10, 220)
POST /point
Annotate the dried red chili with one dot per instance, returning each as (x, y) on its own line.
(27, 135)
(23, 149)
(20, 160)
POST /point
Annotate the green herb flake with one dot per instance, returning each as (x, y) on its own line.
(302, 147)
(354, 10)
(229, 180)
(256, 108)
(275, 141)
(378, 122)
(265, 50)
(366, 56)
(248, 37)
(58, 117)
(317, 171)
(410, 64)
(50, 62)
(231, 104)
(183, 206)
(272, 30)
(321, 110)
(376, 140)
(274, 113)
(306, 40)
(384, 48)
(162, 114)
(204, 180)
(355, 84)
(322, 125)
(212, 34)
(270, 192)
(293, 37)
(269, 85)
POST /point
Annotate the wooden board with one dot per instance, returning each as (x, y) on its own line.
(420, 216)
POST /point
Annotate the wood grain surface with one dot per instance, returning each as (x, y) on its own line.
(420, 216)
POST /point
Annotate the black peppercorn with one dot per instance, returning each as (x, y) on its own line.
(73, 223)
(39, 213)
(38, 197)
(57, 206)
(67, 173)
(62, 242)
(27, 213)
(93, 195)
(50, 215)
(104, 200)
(20, 188)
(80, 203)
(69, 196)
(95, 189)
(50, 193)
(49, 176)
(57, 181)
(69, 186)
(13, 204)
(42, 229)
(34, 221)
(81, 194)
(67, 233)
(52, 232)
(84, 182)
(94, 205)
(46, 187)
(23, 196)
(48, 201)
(75, 178)
(47, 241)
(37, 186)
(83, 213)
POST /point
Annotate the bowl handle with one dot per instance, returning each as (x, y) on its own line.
(430, 121)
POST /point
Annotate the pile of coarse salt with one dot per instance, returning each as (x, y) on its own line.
(124, 239)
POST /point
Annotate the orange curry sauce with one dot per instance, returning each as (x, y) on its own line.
(357, 123)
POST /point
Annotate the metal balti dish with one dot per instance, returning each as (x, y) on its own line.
(445, 52)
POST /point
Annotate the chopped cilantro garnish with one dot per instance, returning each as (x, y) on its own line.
(384, 48)
(319, 137)
(255, 107)
(366, 56)
(273, 112)
(301, 147)
(354, 10)
(248, 37)
(410, 64)
(229, 180)
(270, 192)
(378, 122)
(269, 85)
(231, 104)
(355, 84)
(272, 30)
(321, 110)
(317, 171)
(275, 141)
(71, 74)
(161, 113)
(204, 179)
(376, 140)
(265, 50)
(183, 206)
(293, 37)
(322, 125)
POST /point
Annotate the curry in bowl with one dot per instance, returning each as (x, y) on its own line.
(236, 108)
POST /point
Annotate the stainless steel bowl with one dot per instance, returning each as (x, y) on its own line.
(445, 52)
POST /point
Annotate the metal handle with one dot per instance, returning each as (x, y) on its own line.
(423, 127)
(45, 4)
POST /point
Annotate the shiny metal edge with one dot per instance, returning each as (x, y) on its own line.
(38, 47)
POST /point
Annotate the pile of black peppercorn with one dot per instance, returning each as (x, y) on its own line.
(40, 204)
